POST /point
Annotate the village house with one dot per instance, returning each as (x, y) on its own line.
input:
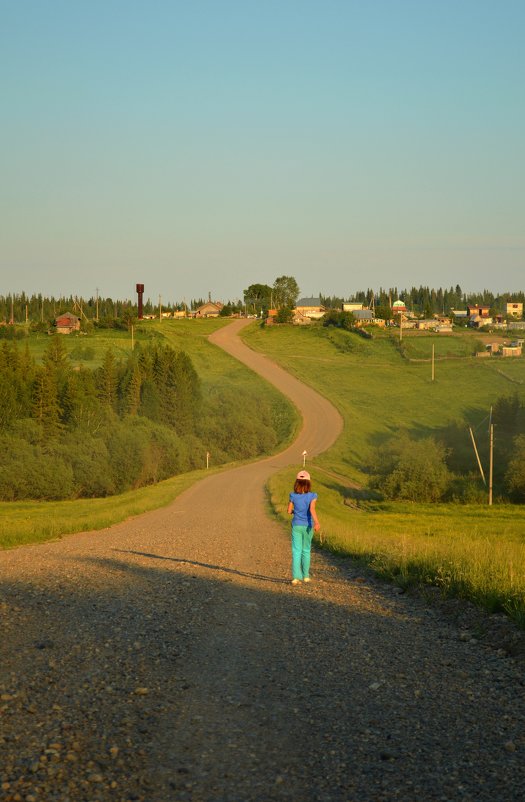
(364, 317)
(351, 307)
(477, 321)
(310, 307)
(67, 323)
(399, 308)
(511, 350)
(301, 320)
(209, 309)
(479, 310)
(514, 309)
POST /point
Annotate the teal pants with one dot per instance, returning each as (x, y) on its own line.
(301, 545)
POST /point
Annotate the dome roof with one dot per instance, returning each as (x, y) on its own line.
(398, 304)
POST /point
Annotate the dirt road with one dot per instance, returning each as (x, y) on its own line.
(169, 658)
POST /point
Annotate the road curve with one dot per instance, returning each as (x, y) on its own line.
(169, 658)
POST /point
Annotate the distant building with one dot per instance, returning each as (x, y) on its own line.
(310, 307)
(398, 307)
(67, 323)
(352, 307)
(514, 309)
(482, 311)
(363, 317)
(511, 350)
(209, 309)
(460, 314)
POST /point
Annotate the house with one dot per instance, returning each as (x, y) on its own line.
(460, 314)
(480, 310)
(310, 307)
(180, 313)
(363, 317)
(209, 309)
(270, 318)
(493, 348)
(511, 350)
(477, 321)
(301, 320)
(399, 308)
(428, 324)
(352, 307)
(67, 323)
(514, 309)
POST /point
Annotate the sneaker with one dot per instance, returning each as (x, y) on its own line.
(307, 579)
(296, 581)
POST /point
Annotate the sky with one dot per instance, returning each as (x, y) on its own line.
(202, 146)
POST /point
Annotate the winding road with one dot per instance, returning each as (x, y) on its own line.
(169, 658)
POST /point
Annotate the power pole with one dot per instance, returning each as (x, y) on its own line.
(96, 304)
(433, 374)
(12, 320)
(160, 308)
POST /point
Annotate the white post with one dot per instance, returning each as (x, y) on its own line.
(207, 460)
(304, 458)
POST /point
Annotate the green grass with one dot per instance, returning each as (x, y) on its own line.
(31, 522)
(34, 522)
(469, 551)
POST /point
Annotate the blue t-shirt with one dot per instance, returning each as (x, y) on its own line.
(301, 508)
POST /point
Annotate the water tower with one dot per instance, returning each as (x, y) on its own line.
(140, 293)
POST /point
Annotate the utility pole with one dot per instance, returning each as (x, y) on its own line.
(400, 326)
(96, 304)
(433, 373)
(491, 461)
(160, 308)
(12, 320)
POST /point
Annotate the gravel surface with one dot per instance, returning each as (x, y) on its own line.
(169, 658)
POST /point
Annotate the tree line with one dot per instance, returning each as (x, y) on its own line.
(68, 433)
(427, 300)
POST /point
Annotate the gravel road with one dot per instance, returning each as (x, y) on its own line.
(169, 658)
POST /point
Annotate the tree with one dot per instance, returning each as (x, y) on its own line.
(412, 470)
(259, 295)
(285, 292)
(284, 315)
(515, 476)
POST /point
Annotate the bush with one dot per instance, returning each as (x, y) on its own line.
(412, 470)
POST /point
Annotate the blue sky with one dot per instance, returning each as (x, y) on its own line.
(202, 146)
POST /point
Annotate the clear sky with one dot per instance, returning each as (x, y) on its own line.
(204, 145)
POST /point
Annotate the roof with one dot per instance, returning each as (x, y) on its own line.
(363, 314)
(67, 316)
(309, 302)
(398, 305)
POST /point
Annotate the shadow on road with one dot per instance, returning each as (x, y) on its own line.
(220, 568)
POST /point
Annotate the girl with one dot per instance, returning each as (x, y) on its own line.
(302, 506)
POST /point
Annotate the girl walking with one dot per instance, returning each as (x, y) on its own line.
(304, 523)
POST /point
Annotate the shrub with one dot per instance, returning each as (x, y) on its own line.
(413, 470)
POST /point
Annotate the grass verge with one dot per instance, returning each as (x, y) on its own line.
(420, 545)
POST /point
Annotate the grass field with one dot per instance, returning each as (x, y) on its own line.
(30, 522)
(471, 551)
